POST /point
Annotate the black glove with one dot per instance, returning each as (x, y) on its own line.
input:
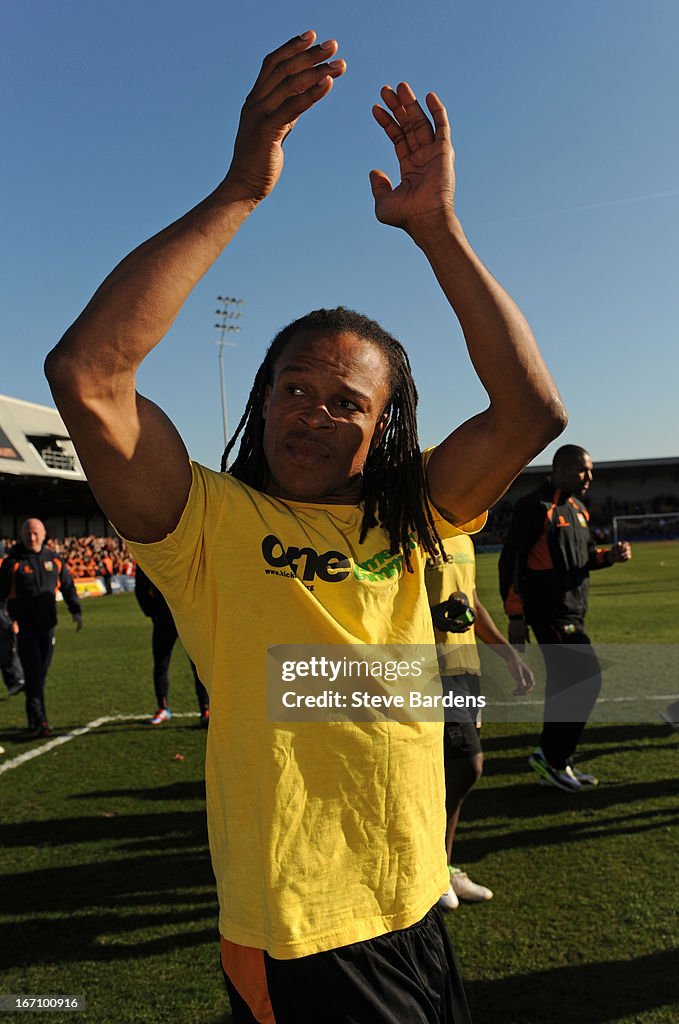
(453, 615)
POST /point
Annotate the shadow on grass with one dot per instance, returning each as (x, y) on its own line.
(20, 735)
(176, 828)
(159, 898)
(594, 993)
(610, 736)
(190, 790)
(585, 816)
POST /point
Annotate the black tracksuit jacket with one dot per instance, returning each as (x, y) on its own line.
(547, 558)
(29, 582)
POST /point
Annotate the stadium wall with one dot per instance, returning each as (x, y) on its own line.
(624, 482)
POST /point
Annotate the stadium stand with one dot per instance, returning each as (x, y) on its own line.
(40, 474)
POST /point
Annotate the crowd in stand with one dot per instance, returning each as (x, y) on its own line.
(89, 557)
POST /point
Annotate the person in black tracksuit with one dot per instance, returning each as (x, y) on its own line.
(10, 666)
(163, 638)
(544, 581)
(30, 577)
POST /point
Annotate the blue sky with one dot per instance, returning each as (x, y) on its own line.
(118, 118)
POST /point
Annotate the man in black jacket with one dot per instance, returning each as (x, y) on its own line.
(544, 580)
(30, 577)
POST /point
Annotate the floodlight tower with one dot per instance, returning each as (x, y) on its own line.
(228, 310)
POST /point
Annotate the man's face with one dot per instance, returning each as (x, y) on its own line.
(33, 534)
(324, 414)
(576, 476)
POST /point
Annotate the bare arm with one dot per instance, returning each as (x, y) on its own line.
(134, 458)
(486, 630)
(525, 410)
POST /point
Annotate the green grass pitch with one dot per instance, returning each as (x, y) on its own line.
(106, 889)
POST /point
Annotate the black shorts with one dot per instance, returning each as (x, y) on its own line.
(403, 977)
(460, 730)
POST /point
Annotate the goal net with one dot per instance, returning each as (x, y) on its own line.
(654, 526)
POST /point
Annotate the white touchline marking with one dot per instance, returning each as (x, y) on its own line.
(59, 740)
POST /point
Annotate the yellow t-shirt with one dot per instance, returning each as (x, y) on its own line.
(321, 833)
(457, 652)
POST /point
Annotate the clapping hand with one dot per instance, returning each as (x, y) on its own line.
(292, 79)
(425, 154)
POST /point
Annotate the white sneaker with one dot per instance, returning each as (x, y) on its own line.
(465, 889)
(449, 900)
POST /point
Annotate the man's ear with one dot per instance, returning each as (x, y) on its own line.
(379, 430)
(265, 403)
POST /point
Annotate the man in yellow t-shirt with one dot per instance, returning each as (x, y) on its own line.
(325, 836)
(459, 617)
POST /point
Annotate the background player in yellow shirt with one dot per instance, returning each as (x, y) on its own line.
(456, 629)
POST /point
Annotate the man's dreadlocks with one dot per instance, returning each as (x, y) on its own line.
(394, 487)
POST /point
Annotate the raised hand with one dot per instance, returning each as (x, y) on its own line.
(292, 79)
(425, 154)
